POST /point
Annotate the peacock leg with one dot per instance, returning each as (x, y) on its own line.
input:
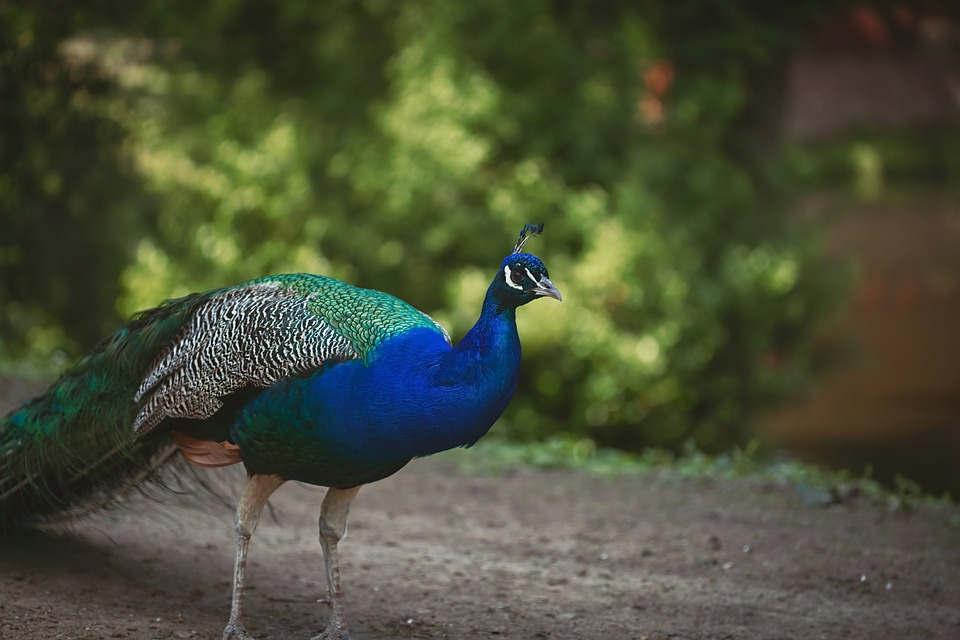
(333, 527)
(255, 495)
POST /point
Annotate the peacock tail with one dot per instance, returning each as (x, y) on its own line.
(105, 424)
(75, 441)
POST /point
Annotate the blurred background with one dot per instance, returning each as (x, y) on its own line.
(751, 209)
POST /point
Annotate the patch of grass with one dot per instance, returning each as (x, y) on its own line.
(816, 485)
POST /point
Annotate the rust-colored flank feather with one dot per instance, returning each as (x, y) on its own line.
(205, 453)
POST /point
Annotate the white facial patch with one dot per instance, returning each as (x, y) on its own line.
(532, 279)
(507, 276)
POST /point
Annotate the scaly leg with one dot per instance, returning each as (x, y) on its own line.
(255, 495)
(333, 527)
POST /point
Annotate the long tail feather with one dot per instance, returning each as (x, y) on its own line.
(75, 445)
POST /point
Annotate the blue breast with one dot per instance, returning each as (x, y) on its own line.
(353, 423)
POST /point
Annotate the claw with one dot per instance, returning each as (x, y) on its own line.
(236, 632)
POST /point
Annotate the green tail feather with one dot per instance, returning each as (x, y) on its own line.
(75, 443)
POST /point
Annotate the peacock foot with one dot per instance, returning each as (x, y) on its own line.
(336, 630)
(236, 631)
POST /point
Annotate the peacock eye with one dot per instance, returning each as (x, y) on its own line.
(516, 274)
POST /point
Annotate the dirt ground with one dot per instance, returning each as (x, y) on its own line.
(436, 553)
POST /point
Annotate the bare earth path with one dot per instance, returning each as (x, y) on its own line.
(434, 553)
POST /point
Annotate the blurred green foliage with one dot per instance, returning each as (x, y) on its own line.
(916, 155)
(161, 148)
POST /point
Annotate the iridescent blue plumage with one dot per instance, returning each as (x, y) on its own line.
(354, 423)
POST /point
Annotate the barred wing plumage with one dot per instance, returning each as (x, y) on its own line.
(252, 335)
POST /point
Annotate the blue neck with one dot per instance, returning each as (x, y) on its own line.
(495, 332)
(478, 376)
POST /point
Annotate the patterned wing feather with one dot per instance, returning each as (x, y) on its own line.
(256, 334)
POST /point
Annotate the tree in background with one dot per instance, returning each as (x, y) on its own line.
(69, 210)
(399, 146)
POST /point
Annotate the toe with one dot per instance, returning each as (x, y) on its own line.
(236, 632)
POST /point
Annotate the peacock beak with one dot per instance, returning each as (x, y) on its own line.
(546, 288)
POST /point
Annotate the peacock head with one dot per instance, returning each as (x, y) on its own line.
(523, 276)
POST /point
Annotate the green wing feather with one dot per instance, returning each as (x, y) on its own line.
(365, 317)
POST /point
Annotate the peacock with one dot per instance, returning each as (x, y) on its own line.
(295, 376)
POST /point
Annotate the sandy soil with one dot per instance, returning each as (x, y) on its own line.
(436, 553)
